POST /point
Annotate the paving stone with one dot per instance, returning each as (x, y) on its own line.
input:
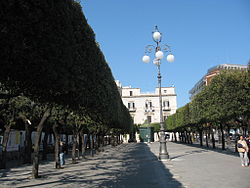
(136, 165)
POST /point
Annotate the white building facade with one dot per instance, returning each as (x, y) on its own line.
(145, 107)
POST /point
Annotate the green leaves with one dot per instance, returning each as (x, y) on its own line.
(49, 54)
(227, 98)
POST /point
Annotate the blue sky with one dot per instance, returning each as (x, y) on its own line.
(202, 34)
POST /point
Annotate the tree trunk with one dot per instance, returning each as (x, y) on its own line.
(180, 136)
(207, 140)
(83, 144)
(92, 145)
(175, 138)
(228, 130)
(213, 140)
(4, 146)
(67, 144)
(186, 137)
(190, 137)
(101, 142)
(74, 147)
(209, 135)
(201, 137)
(28, 143)
(45, 146)
(112, 140)
(116, 140)
(222, 137)
(37, 143)
(98, 140)
(57, 143)
(109, 140)
(119, 140)
(244, 131)
(78, 146)
(183, 137)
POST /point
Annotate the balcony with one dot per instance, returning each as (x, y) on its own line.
(151, 109)
(166, 108)
(131, 109)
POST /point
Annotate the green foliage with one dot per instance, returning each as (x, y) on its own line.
(49, 54)
(170, 122)
(226, 99)
(156, 126)
(229, 96)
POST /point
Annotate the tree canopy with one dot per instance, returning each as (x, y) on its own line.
(226, 99)
(49, 54)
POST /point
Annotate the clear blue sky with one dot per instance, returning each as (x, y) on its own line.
(202, 33)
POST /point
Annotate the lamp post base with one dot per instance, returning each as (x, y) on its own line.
(163, 155)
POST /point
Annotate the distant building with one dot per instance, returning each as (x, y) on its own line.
(206, 80)
(145, 107)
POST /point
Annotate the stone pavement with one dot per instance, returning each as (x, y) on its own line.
(136, 165)
(197, 167)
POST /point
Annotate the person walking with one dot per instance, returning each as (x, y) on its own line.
(62, 150)
(243, 150)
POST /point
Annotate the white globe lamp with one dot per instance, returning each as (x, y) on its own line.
(159, 55)
(170, 58)
(146, 59)
(157, 36)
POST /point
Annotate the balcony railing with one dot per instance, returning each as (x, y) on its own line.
(151, 109)
(132, 109)
(166, 108)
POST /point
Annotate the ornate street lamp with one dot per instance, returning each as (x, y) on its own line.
(159, 50)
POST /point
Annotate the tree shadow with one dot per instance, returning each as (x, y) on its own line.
(142, 169)
(127, 165)
(189, 153)
(204, 148)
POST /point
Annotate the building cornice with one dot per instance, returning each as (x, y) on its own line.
(141, 96)
(140, 88)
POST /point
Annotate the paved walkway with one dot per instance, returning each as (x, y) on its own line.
(197, 167)
(136, 165)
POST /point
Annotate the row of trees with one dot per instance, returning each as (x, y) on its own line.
(222, 105)
(53, 73)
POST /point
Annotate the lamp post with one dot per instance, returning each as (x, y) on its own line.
(159, 50)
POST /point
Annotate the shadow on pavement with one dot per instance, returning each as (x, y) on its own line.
(142, 169)
(206, 149)
(189, 153)
(125, 166)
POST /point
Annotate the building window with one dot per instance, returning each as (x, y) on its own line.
(149, 119)
(165, 103)
(130, 93)
(165, 91)
(131, 105)
(148, 104)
